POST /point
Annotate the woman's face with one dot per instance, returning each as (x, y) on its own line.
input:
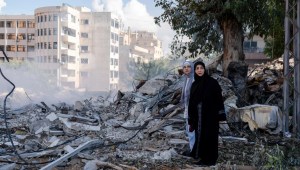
(187, 69)
(199, 70)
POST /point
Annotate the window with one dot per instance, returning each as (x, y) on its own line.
(111, 61)
(55, 17)
(54, 31)
(2, 36)
(49, 45)
(64, 58)
(30, 24)
(84, 22)
(84, 74)
(10, 48)
(45, 31)
(84, 49)
(117, 24)
(55, 60)
(116, 63)
(21, 48)
(2, 23)
(54, 45)
(21, 24)
(21, 37)
(84, 35)
(30, 48)
(112, 23)
(10, 24)
(69, 31)
(11, 36)
(49, 17)
(116, 74)
(30, 37)
(84, 60)
(250, 46)
(73, 19)
(49, 31)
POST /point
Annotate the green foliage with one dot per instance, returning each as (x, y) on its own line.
(274, 47)
(201, 21)
(275, 159)
(146, 71)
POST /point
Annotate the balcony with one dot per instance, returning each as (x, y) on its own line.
(69, 39)
(65, 78)
(71, 66)
(69, 52)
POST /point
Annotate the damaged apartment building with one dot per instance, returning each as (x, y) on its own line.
(77, 48)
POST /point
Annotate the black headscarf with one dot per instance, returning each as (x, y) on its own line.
(197, 88)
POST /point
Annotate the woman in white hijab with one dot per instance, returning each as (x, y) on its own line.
(188, 72)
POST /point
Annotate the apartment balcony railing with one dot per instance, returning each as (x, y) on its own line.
(253, 50)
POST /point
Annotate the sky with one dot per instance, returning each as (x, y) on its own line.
(136, 14)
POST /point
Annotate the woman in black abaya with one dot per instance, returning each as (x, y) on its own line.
(206, 109)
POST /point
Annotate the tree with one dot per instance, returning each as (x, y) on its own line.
(143, 71)
(274, 47)
(215, 25)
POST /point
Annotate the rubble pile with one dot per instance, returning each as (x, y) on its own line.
(265, 83)
(143, 129)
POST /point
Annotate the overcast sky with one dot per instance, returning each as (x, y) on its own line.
(137, 14)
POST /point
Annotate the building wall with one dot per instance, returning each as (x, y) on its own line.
(139, 46)
(57, 41)
(79, 48)
(17, 37)
(101, 73)
(86, 49)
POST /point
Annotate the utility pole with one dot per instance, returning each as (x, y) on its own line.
(291, 61)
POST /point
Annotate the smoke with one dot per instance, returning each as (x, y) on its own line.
(32, 86)
(2, 4)
(135, 15)
(138, 18)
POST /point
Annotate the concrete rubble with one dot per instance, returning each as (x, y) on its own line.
(137, 130)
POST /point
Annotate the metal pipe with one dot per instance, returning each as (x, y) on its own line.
(286, 57)
(297, 56)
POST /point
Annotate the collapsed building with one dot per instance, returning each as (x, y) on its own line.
(144, 128)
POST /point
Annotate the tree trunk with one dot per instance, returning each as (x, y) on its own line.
(233, 41)
(234, 66)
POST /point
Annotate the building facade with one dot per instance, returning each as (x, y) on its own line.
(79, 46)
(17, 37)
(254, 51)
(140, 47)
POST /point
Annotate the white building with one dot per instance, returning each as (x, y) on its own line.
(17, 37)
(139, 46)
(57, 43)
(99, 62)
(80, 49)
(79, 46)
